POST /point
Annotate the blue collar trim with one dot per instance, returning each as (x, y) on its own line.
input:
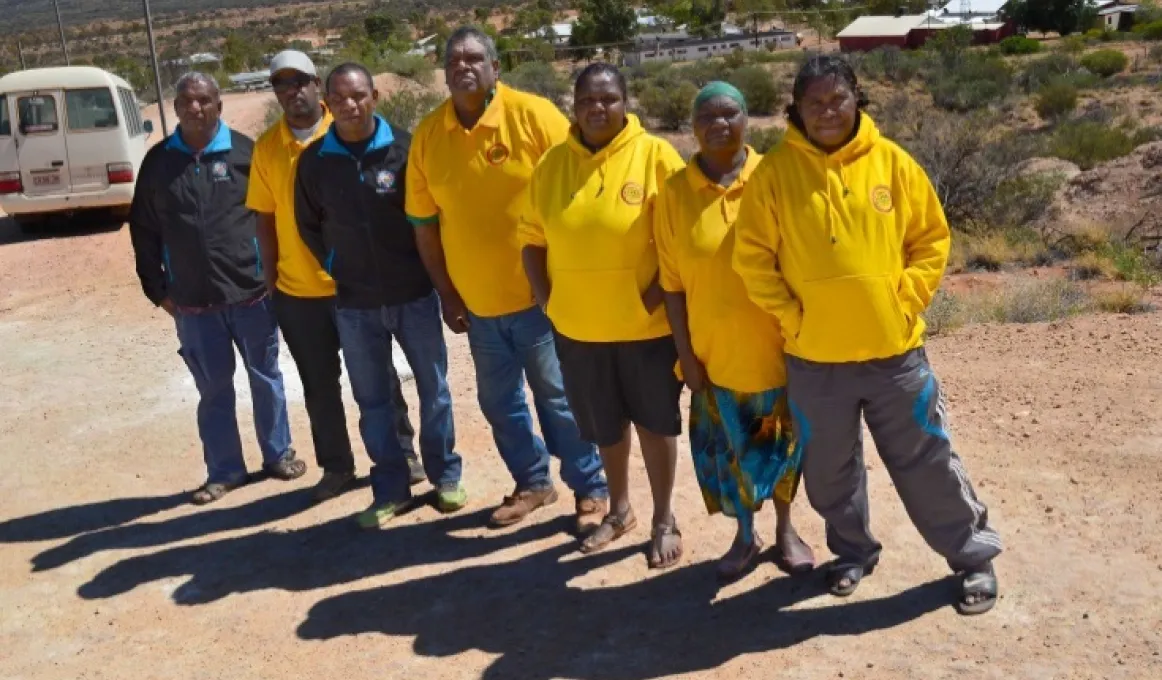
(380, 140)
(222, 141)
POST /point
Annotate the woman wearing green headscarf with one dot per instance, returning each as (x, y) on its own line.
(730, 351)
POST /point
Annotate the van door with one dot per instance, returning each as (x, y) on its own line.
(8, 161)
(94, 137)
(40, 139)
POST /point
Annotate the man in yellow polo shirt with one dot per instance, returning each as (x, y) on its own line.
(468, 168)
(303, 293)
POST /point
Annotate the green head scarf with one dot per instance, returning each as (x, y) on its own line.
(716, 89)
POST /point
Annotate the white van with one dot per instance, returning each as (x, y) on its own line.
(71, 138)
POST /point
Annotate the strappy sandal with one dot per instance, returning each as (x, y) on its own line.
(978, 590)
(611, 528)
(657, 537)
(286, 469)
(852, 572)
(212, 491)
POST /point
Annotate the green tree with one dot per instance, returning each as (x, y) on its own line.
(1062, 16)
(380, 27)
(603, 22)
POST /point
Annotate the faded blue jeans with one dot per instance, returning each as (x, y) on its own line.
(507, 350)
(365, 336)
(208, 339)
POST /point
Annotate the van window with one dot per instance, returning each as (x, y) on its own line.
(90, 109)
(5, 123)
(37, 114)
(132, 112)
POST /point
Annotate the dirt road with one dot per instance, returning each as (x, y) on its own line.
(105, 572)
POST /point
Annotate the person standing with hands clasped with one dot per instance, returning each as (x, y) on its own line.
(197, 257)
(730, 351)
(470, 163)
(842, 238)
(304, 294)
(590, 258)
(349, 204)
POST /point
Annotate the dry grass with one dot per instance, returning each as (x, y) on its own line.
(1093, 266)
(994, 251)
(1025, 300)
(1127, 299)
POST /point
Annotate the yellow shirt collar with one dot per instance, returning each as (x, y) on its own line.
(493, 115)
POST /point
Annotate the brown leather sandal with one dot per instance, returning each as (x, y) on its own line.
(610, 529)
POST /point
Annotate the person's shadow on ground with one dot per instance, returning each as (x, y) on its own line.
(78, 519)
(542, 628)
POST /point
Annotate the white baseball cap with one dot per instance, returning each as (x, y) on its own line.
(293, 60)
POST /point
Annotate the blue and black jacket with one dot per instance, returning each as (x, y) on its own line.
(195, 240)
(350, 212)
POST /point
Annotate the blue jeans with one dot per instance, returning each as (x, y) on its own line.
(365, 336)
(207, 342)
(506, 350)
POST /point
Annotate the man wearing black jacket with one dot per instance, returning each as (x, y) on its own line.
(349, 205)
(197, 257)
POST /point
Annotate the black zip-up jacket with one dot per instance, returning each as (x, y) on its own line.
(350, 213)
(195, 240)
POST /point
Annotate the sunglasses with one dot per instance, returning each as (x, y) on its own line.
(296, 81)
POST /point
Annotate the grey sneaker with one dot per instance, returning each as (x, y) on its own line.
(416, 470)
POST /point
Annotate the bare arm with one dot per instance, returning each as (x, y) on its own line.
(536, 263)
(431, 249)
(652, 296)
(268, 249)
(693, 372)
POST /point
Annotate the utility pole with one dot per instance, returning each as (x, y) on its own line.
(20, 53)
(60, 26)
(156, 70)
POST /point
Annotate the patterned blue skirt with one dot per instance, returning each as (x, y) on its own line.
(744, 449)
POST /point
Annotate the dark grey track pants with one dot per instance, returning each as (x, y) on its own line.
(901, 401)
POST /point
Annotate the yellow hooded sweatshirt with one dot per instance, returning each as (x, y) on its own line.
(846, 249)
(593, 213)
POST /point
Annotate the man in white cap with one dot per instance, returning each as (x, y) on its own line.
(303, 292)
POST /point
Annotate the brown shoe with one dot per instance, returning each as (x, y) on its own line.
(518, 506)
(590, 512)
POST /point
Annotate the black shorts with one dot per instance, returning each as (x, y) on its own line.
(612, 384)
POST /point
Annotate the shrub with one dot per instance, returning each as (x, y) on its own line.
(945, 313)
(1039, 72)
(891, 64)
(705, 71)
(1123, 300)
(763, 140)
(1149, 31)
(758, 86)
(406, 108)
(1105, 63)
(977, 82)
(1019, 44)
(1036, 301)
(1100, 35)
(670, 106)
(540, 78)
(412, 66)
(1020, 200)
(1093, 266)
(1074, 44)
(1151, 133)
(1087, 143)
(1056, 100)
(1155, 54)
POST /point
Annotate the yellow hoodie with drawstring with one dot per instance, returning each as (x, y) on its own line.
(592, 212)
(845, 249)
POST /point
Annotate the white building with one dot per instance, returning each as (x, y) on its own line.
(694, 49)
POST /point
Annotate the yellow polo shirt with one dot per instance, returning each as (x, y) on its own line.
(472, 182)
(592, 212)
(272, 190)
(739, 344)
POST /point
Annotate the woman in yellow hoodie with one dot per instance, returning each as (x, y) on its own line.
(842, 238)
(589, 254)
(730, 351)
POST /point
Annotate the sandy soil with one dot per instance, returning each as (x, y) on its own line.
(105, 572)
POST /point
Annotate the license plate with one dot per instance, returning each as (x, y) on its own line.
(52, 180)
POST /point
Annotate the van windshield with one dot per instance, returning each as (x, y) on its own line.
(90, 109)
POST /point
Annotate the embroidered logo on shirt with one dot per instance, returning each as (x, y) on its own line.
(384, 181)
(633, 193)
(881, 198)
(497, 154)
(219, 171)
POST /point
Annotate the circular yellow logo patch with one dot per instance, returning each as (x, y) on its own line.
(633, 193)
(497, 154)
(881, 198)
